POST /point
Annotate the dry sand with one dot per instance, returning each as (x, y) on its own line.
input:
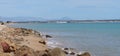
(2, 26)
(31, 41)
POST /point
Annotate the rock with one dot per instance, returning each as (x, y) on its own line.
(9, 22)
(42, 42)
(72, 53)
(57, 52)
(47, 51)
(2, 23)
(41, 53)
(48, 36)
(6, 54)
(5, 46)
(84, 54)
(25, 51)
(66, 48)
(19, 39)
(36, 33)
(66, 52)
(45, 55)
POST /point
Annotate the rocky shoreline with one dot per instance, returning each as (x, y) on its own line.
(27, 42)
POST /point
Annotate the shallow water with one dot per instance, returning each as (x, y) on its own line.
(100, 39)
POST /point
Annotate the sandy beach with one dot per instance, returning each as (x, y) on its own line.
(27, 42)
(22, 42)
(2, 26)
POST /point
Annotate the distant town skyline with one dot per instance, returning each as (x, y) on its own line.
(55, 9)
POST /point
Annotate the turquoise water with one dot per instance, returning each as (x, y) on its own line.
(100, 39)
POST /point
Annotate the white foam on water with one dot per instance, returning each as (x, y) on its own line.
(53, 43)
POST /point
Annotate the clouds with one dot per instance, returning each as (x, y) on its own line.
(60, 8)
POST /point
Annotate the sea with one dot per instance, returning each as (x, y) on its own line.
(100, 39)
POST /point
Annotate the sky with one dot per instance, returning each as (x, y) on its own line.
(51, 9)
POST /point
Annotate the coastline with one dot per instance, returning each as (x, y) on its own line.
(19, 37)
(29, 39)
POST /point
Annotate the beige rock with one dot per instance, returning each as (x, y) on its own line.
(57, 52)
(6, 54)
(41, 53)
(25, 51)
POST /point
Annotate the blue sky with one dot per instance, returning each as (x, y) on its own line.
(75, 9)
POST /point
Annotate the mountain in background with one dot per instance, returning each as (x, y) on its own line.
(14, 19)
(31, 19)
(22, 19)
